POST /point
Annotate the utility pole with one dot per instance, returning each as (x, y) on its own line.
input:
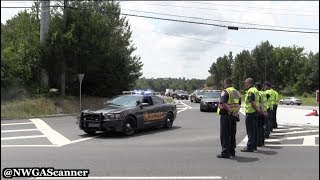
(63, 67)
(44, 28)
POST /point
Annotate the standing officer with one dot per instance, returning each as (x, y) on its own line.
(228, 109)
(261, 116)
(275, 106)
(268, 120)
(251, 108)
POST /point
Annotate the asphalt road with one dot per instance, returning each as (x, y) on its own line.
(187, 151)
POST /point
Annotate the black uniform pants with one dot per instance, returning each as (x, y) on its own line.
(275, 125)
(267, 123)
(251, 126)
(260, 130)
(228, 129)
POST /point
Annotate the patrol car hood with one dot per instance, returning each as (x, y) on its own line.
(211, 99)
(108, 109)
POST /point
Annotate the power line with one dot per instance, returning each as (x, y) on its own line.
(175, 15)
(214, 42)
(203, 23)
(252, 7)
(212, 9)
(195, 22)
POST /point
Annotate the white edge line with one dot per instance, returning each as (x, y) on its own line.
(12, 124)
(18, 130)
(31, 145)
(22, 137)
(136, 178)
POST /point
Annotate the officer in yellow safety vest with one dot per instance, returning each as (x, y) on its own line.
(229, 106)
(252, 109)
(270, 99)
(275, 106)
(261, 116)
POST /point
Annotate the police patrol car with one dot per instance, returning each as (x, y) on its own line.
(128, 113)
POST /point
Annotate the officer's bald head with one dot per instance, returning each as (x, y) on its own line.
(228, 82)
(249, 81)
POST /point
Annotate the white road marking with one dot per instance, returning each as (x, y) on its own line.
(13, 124)
(189, 107)
(53, 136)
(244, 142)
(79, 140)
(22, 137)
(31, 145)
(309, 141)
(291, 138)
(276, 130)
(138, 178)
(293, 132)
(19, 130)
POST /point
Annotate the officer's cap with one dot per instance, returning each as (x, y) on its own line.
(268, 84)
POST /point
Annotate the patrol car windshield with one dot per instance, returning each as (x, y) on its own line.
(128, 100)
(182, 92)
(212, 95)
(200, 92)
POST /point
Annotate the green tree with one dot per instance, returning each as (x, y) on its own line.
(95, 43)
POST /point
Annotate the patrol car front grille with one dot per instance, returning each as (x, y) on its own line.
(92, 117)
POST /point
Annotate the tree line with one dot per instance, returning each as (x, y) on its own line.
(292, 70)
(87, 41)
(99, 45)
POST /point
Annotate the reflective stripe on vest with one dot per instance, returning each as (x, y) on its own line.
(233, 100)
(247, 105)
(264, 102)
(270, 100)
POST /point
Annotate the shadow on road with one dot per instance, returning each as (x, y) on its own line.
(273, 147)
(267, 152)
(245, 159)
(118, 135)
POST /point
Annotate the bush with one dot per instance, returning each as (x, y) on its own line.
(305, 95)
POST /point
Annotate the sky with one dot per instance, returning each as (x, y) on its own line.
(190, 49)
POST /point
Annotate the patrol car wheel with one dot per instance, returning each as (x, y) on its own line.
(129, 127)
(169, 121)
(90, 132)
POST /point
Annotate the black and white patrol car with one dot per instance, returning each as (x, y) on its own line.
(128, 113)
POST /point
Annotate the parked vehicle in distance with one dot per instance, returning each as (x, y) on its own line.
(180, 94)
(291, 101)
(196, 96)
(168, 92)
(210, 101)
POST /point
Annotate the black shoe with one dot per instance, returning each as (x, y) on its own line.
(267, 136)
(246, 150)
(233, 154)
(223, 156)
(255, 148)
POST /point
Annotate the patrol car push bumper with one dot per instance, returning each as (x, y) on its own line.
(97, 122)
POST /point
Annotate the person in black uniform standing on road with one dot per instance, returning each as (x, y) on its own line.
(228, 109)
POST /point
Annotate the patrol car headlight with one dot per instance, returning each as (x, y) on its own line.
(113, 116)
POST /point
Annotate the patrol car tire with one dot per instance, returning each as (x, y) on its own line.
(169, 121)
(90, 132)
(129, 127)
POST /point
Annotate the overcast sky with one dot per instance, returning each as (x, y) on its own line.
(177, 56)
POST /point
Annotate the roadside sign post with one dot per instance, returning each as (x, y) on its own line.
(80, 76)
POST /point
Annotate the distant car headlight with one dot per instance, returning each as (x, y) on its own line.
(113, 116)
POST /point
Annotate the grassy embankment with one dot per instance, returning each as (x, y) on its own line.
(37, 107)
